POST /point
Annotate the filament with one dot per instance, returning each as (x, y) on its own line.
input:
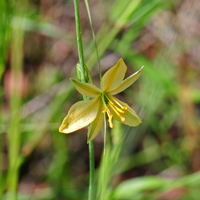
(110, 116)
(116, 107)
(122, 118)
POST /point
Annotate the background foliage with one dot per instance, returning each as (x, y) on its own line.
(160, 159)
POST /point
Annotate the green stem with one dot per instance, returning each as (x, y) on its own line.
(96, 48)
(79, 41)
(97, 53)
(83, 79)
(91, 181)
(94, 39)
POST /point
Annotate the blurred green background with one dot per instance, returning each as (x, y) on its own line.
(159, 159)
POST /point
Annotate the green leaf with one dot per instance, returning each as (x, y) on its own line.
(128, 189)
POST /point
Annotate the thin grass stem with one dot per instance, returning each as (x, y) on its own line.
(83, 79)
(100, 74)
(94, 39)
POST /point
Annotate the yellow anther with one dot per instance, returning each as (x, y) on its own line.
(110, 121)
(110, 116)
(117, 108)
(122, 119)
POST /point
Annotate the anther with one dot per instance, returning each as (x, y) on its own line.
(110, 116)
(110, 121)
(122, 119)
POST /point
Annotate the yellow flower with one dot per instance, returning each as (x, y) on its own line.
(91, 112)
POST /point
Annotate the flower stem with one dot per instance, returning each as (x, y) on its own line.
(79, 41)
(83, 79)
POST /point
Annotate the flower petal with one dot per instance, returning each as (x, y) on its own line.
(127, 82)
(131, 118)
(80, 115)
(86, 88)
(114, 76)
(96, 125)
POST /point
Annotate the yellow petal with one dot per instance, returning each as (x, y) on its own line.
(86, 88)
(114, 76)
(131, 118)
(96, 125)
(127, 82)
(80, 115)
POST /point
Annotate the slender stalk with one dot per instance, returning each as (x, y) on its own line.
(79, 41)
(98, 59)
(94, 39)
(83, 79)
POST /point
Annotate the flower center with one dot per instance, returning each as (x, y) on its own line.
(116, 107)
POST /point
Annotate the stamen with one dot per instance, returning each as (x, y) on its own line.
(110, 116)
(122, 107)
(122, 119)
(115, 110)
(118, 109)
